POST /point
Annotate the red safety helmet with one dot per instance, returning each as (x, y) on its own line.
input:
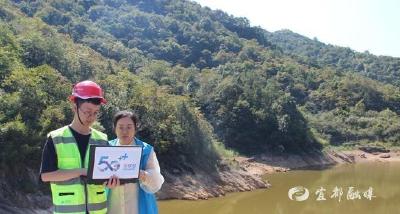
(86, 90)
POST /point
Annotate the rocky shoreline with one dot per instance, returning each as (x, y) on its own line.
(236, 175)
(247, 172)
(203, 185)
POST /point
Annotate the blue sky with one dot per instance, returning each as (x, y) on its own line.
(372, 25)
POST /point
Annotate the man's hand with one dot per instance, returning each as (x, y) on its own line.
(63, 174)
(83, 172)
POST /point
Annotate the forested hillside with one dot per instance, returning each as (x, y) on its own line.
(314, 53)
(201, 80)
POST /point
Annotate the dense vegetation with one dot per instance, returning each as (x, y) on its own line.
(314, 53)
(200, 80)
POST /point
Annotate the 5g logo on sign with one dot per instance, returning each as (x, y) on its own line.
(104, 164)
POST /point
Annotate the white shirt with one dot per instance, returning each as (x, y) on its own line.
(124, 199)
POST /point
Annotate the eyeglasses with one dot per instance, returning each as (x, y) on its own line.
(91, 114)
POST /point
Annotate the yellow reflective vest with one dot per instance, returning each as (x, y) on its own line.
(75, 195)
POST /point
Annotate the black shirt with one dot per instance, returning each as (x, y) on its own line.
(49, 155)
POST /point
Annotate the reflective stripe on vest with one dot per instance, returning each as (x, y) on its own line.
(70, 209)
(69, 196)
(80, 208)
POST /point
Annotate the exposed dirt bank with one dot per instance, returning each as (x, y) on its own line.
(246, 172)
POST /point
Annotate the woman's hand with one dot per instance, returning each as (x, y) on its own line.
(143, 176)
(112, 182)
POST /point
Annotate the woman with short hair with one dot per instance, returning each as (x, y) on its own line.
(135, 198)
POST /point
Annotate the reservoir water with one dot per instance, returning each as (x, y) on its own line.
(364, 188)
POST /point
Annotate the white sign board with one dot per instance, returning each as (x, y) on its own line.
(121, 161)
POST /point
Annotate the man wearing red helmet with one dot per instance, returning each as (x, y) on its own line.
(65, 155)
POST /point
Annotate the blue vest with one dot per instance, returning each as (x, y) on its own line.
(147, 201)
